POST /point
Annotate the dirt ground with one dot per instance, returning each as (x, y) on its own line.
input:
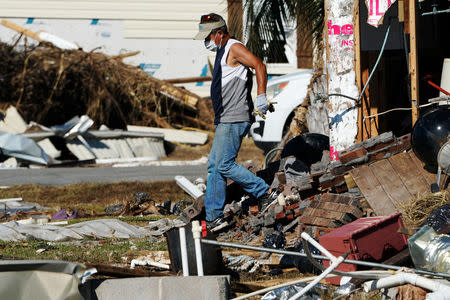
(92, 199)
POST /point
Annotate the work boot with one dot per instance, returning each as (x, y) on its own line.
(265, 200)
(218, 224)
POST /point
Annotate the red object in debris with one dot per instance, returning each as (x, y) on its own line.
(370, 239)
(204, 233)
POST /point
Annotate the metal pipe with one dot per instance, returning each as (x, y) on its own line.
(348, 274)
(437, 288)
(301, 280)
(335, 263)
(184, 258)
(145, 262)
(349, 261)
(196, 230)
(318, 246)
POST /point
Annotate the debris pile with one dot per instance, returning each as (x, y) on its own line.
(317, 196)
(334, 202)
(74, 143)
(49, 86)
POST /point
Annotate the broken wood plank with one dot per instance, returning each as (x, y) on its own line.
(373, 191)
(124, 55)
(391, 182)
(408, 172)
(126, 272)
(189, 79)
(413, 62)
(21, 30)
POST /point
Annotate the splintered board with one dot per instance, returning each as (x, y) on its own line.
(388, 182)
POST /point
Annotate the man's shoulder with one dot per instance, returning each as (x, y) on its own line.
(236, 45)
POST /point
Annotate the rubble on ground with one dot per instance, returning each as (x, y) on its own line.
(75, 143)
(321, 197)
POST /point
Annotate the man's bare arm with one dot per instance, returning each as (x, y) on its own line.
(240, 54)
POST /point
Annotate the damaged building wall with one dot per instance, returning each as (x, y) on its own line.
(340, 68)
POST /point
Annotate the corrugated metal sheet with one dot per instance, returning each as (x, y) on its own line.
(79, 150)
(142, 18)
(173, 135)
(118, 148)
(146, 147)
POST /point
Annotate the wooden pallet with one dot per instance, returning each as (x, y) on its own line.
(388, 182)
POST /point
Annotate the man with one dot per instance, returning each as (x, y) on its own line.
(233, 107)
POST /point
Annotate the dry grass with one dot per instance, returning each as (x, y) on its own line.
(93, 198)
(419, 208)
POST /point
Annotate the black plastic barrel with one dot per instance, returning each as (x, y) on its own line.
(211, 254)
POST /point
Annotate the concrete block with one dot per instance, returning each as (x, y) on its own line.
(158, 288)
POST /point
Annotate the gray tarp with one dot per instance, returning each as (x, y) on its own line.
(23, 148)
(101, 228)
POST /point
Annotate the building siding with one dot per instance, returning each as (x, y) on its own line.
(142, 18)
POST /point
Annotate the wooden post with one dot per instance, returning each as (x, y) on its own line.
(304, 47)
(235, 22)
(413, 61)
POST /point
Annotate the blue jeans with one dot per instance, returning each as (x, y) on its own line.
(222, 165)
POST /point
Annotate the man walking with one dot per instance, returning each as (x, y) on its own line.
(233, 107)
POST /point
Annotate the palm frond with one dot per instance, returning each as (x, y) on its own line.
(266, 25)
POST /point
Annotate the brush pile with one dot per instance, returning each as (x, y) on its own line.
(49, 85)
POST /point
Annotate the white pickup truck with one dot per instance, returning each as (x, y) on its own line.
(288, 91)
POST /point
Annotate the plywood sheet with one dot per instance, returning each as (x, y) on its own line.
(410, 175)
(373, 191)
(430, 177)
(391, 182)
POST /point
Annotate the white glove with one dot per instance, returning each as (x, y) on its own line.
(261, 103)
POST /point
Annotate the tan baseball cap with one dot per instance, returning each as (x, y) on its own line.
(207, 24)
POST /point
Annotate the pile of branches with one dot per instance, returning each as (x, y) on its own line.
(50, 86)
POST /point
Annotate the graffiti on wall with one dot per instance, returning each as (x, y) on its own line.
(376, 10)
(344, 32)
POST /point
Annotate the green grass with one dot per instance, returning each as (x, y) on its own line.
(84, 251)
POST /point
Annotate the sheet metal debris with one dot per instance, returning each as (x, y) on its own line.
(23, 148)
(102, 228)
(41, 279)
